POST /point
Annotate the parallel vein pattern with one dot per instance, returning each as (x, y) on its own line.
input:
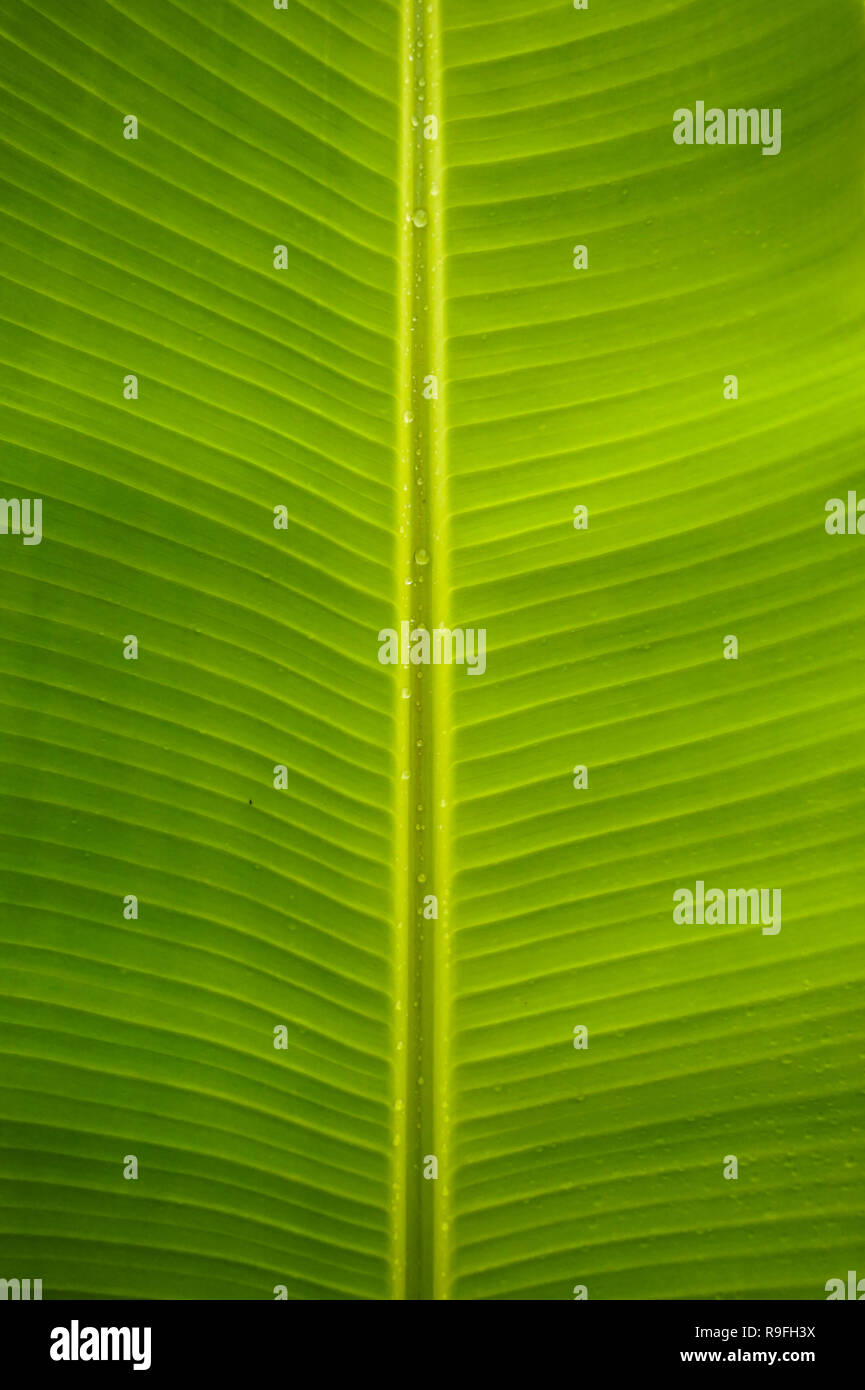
(603, 387)
(258, 388)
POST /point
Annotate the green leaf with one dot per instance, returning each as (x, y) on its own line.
(301, 379)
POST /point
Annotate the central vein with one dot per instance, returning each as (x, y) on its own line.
(422, 1159)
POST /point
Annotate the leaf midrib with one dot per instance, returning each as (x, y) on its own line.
(421, 1101)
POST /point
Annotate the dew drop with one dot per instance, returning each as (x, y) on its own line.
(419, 218)
(421, 557)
